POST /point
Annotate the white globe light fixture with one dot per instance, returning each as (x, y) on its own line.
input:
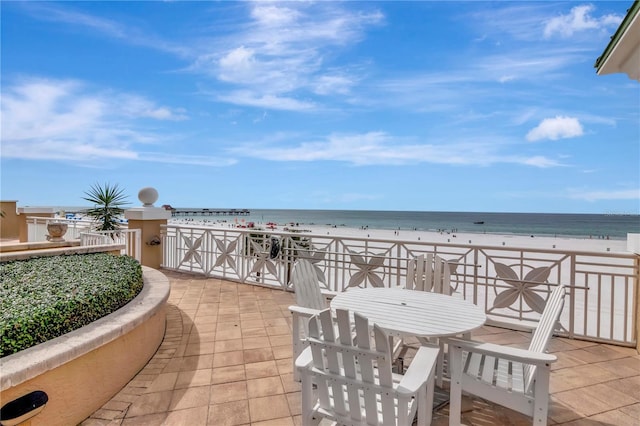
(148, 196)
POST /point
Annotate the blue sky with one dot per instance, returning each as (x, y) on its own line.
(427, 106)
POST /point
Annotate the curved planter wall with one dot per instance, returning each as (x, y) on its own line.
(82, 370)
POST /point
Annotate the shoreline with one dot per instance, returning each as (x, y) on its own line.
(557, 242)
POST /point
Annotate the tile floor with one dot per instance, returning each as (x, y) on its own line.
(226, 360)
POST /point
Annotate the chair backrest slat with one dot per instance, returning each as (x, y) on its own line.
(544, 331)
(441, 276)
(307, 286)
(352, 371)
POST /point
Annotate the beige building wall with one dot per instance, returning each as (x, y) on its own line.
(9, 227)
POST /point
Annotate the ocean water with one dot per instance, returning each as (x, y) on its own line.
(613, 226)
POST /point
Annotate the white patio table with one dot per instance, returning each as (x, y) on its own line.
(404, 313)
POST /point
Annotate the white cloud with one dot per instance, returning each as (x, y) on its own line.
(274, 15)
(559, 127)
(64, 120)
(380, 148)
(269, 101)
(616, 194)
(282, 52)
(577, 20)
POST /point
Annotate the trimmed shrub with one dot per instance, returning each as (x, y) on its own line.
(47, 297)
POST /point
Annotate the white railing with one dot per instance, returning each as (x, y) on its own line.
(512, 284)
(131, 238)
(37, 228)
(81, 229)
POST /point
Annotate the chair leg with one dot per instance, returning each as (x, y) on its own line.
(541, 393)
(440, 365)
(430, 394)
(297, 345)
(423, 407)
(455, 391)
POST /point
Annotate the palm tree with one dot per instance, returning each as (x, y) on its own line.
(108, 201)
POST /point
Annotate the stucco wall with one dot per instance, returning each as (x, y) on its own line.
(82, 370)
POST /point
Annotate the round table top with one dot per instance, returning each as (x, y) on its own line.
(412, 313)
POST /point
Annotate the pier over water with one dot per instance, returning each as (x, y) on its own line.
(209, 212)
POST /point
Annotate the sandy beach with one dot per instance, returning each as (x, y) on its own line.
(480, 239)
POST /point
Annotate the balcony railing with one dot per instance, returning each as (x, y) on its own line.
(37, 227)
(512, 284)
(80, 229)
(131, 238)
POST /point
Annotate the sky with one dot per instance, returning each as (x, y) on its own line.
(357, 105)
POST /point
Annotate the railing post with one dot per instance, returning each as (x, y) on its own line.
(148, 220)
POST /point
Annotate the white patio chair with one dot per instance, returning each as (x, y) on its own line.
(309, 301)
(515, 378)
(429, 273)
(432, 273)
(354, 381)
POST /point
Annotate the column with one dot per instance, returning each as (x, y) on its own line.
(148, 219)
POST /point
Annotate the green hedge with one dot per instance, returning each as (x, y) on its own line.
(43, 298)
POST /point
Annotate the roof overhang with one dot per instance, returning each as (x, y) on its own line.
(622, 54)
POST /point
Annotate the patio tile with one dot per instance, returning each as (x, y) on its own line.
(190, 397)
(189, 416)
(225, 331)
(268, 408)
(229, 414)
(632, 411)
(150, 403)
(282, 351)
(256, 342)
(227, 392)
(223, 359)
(257, 370)
(625, 367)
(276, 322)
(616, 417)
(193, 378)
(580, 376)
(294, 399)
(254, 332)
(163, 382)
(145, 420)
(598, 353)
(284, 365)
(280, 340)
(594, 399)
(289, 384)
(251, 316)
(629, 385)
(227, 345)
(196, 362)
(257, 355)
(228, 374)
(279, 330)
(264, 386)
(284, 421)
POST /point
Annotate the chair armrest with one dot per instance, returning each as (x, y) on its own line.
(419, 371)
(329, 294)
(500, 351)
(304, 359)
(305, 312)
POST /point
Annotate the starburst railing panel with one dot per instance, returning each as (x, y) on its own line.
(511, 284)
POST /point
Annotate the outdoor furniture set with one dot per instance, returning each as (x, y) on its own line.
(344, 351)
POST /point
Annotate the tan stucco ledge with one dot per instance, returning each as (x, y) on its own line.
(37, 360)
